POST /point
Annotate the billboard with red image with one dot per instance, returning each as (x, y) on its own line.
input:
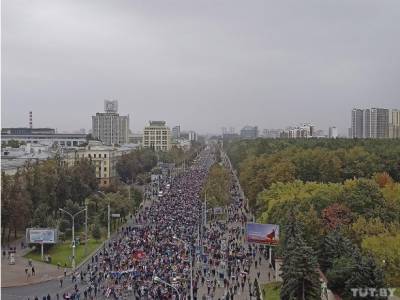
(267, 234)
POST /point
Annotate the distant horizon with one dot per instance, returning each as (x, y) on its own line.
(218, 132)
(201, 64)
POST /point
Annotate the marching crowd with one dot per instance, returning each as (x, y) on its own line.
(156, 246)
(148, 249)
(227, 260)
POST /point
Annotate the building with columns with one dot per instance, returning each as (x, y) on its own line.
(157, 136)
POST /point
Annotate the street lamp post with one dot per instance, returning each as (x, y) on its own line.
(191, 264)
(73, 232)
(86, 227)
(158, 279)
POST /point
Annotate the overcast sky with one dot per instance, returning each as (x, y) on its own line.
(202, 64)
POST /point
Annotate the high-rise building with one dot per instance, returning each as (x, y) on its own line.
(357, 123)
(109, 127)
(249, 132)
(378, 123)
(157, 136)
(192, 136)
(370, 123)
(394, 124)
(176, 132)
(333, 132)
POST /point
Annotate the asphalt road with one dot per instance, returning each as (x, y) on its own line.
(51, 287)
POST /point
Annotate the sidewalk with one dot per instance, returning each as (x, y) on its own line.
(14, 275)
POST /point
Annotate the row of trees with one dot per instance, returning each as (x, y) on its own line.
(217, 186)
(344, 196)
(132, 166)
(32, 197)
(321, 164)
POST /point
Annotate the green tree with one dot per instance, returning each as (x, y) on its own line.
(385, 249)
(299, 269)
(96, 232)
(333, 246)
(339, 273)
(363, 197)
(364, 274)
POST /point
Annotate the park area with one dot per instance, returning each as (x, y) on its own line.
(62, 252)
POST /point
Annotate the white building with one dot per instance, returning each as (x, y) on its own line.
(157, 136)
(333, 132)
(109, 127)
(14, 158)
(192, 136)
(304, 131)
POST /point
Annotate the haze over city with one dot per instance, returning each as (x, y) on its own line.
(200, 64)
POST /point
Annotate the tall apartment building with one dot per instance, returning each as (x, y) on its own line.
(357, 123)
(333, 132)
(109, 127)
(157, 136)
(370, 123)
(192, 135)
(376, 123)
(394, 124)
(176, 132)
(249, 132)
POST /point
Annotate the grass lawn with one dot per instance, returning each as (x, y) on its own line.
(61, 252)
(397, 292)
(271, 291)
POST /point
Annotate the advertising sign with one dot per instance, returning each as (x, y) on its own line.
(218, 210)
(267, 234)
(41, 235)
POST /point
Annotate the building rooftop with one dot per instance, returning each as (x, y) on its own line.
(157, 123)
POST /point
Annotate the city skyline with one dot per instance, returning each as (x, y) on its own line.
(185, 62)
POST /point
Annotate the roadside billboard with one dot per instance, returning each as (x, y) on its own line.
(218, 210)
(267, 234)
(41, 235)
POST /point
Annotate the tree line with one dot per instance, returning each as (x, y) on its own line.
(338, 205)
(217, 186)
(33, 196)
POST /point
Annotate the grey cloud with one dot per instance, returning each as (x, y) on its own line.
(202, 64)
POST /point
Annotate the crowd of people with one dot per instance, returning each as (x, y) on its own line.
(150, 257)
(224, 269)
(156, 244)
